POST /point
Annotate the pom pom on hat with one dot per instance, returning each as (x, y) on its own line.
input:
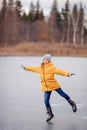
(47, 56)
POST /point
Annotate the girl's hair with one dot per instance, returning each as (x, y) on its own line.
(42, 64)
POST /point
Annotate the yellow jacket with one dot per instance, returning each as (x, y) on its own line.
(48, 82)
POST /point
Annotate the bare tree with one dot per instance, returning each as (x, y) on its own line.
(75, 19)
(81, 24)
(67, 11)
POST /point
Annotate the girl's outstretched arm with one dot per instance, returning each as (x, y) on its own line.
(62, 72)
(31, 68)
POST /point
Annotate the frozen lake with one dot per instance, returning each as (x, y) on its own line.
(21, 98)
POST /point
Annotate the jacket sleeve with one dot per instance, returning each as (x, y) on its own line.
(32, 68)
(60, 72)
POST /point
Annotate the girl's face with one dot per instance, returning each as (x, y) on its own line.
(46, 61)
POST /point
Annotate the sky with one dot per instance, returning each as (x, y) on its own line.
(46, 4)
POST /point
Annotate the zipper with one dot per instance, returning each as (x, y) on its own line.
(44, 78)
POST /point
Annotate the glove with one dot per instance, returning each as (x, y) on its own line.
(70, 74)
(22, 66)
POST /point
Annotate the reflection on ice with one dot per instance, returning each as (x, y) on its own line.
(82, 106)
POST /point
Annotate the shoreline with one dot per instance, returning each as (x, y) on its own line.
(39, 49)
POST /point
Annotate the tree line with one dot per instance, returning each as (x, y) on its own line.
(65, 26)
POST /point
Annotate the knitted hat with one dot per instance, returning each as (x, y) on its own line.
(47, 56)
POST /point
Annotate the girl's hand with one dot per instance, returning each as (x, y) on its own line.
(70, 74)
(22, 66)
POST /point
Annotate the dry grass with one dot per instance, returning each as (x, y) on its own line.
(38, 49)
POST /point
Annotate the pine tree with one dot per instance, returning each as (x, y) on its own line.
(54, 6)
(31, 14)
(57, 14)
(2, 18)
(67, 10)
(39, 12)
(55, 23)
(24, 16)
(10, 4)
(41, 17)
(19, 7)
(3, 10)
(66, 23)
(4, 4)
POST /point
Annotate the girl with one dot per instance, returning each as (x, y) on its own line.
(49, 83)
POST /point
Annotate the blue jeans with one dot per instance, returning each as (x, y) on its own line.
(47, 95)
